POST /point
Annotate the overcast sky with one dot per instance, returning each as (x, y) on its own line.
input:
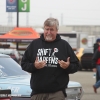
(68, 12)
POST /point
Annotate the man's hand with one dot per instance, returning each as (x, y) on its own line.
(39, 64)
(64, 64)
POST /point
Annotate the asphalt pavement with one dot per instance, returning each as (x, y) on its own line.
(86, 79)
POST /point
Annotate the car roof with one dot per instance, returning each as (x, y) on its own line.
(4, 55)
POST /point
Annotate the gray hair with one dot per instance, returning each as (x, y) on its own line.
(51, 22)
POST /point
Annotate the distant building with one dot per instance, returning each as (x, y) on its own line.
(89, 29)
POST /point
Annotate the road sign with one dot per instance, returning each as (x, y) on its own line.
(11, 5)
(24, 6)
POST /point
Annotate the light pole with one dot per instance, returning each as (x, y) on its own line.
(17, 14)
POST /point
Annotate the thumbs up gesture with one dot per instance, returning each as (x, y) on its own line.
(64, 64)
(39, 64)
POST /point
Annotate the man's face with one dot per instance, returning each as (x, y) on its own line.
(50, 33)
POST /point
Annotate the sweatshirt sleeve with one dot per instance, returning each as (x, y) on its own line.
(94, 59)
(74, 62)
(26, 63)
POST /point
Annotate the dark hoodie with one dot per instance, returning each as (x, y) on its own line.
(96, 58)
(52, 77)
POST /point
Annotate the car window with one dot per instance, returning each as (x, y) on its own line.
(8, 67)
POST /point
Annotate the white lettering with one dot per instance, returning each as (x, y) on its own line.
(40, 52)
(39, 58)
(14, 89)
(45, 51)
(25, 7)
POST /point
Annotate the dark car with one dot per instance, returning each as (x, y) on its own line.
(13, 53)
(86, 59)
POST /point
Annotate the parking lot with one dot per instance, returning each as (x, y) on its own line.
(87, 81)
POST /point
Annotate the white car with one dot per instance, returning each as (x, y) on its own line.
(18, 81)
(74, 91)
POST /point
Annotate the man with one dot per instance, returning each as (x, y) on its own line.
(96, 66)
(50, 60)
(95, 47)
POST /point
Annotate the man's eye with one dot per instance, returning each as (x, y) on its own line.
(51, 29)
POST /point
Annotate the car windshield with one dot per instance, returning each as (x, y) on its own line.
(8, 67)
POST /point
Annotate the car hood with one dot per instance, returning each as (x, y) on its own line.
(20, 85)
(72, 84)
(17, 80)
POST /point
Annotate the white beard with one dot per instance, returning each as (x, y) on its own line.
(48, 38)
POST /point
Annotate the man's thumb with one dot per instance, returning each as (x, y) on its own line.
(36, 59)
(68, 59)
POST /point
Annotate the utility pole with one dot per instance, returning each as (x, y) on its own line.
(17, 14)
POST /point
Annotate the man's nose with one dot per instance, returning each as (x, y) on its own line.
(49, 31)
